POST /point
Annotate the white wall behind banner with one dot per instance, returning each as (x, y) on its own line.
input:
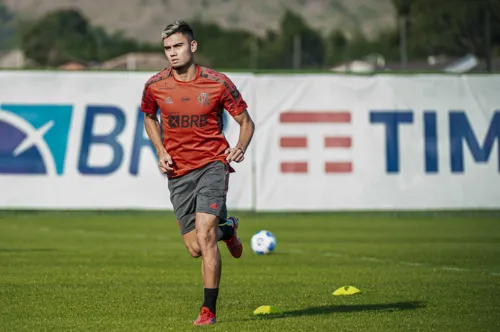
(382, 142)
(76, 141)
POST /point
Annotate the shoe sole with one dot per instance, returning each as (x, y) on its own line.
(201, 324)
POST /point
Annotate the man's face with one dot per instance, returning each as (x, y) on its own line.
(179, 50)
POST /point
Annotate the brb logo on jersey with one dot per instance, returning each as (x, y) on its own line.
(33, 138)
(187, 121)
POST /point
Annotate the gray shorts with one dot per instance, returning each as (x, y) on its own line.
(202, 190)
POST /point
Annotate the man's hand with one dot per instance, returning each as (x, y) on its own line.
(165, 163)
(235, 154)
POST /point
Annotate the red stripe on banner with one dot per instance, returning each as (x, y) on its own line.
(293, 142)
(297, 167)
(315, 117)
(336, 167)
(338, 142)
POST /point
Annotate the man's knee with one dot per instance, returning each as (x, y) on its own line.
(191, 243)
(206, 237)
(194, 251)
(206, 232)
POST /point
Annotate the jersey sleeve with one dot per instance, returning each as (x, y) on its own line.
(148, 103)
(232, 100)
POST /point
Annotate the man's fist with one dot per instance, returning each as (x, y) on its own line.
(235, 154)
(165, 163)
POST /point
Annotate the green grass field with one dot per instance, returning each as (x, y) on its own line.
(129, 271)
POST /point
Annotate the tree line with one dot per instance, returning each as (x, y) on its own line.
(424, 28)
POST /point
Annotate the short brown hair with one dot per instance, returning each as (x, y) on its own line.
(178, 26)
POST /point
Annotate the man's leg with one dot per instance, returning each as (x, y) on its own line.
(210, 209)
(188, 193)
(193, 247)
(212, 226)
(208, 234)
(191, 243)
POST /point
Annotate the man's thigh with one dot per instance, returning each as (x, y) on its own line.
(183, 199)
(212, 188)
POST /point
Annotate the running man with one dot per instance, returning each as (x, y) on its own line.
(194, 153)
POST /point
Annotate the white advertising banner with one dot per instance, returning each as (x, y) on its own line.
(328, 142)
(76, 140)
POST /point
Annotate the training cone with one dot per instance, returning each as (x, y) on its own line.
(266, 310)
(346, 290)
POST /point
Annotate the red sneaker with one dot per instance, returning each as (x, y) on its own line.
(234, 244)
(206, 317)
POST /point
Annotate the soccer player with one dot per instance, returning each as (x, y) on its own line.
(195, 154)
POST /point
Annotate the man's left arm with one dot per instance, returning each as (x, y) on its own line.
(237, 108)
(247, 128)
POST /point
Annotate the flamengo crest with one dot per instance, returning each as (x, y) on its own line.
(204, 98)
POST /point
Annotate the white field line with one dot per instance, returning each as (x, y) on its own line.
(115, 235)
(414, 264)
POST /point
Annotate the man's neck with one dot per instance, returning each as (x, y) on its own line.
(186, 73)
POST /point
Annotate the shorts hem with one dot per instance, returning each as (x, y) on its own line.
(212, 212)
(187, 230)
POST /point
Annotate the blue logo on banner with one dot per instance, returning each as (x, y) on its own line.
(461, 136)
(33, 138)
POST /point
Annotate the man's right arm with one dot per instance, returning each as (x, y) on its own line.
(150, 107)
(154, 132)
(165, 163)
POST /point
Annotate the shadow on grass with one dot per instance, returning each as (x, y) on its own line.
(333, 309)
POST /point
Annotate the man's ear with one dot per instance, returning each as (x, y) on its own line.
(194, 46)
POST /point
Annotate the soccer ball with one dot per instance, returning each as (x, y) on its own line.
(263, 242)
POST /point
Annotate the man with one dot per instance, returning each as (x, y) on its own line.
(194, 153)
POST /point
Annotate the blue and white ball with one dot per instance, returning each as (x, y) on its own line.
(263, 242)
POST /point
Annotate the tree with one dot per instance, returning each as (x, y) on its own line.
(451, 27)
(7, 27)
(280, 53)
(66, 35)
(336, 49)
(223, 48)
(109, 46)
(58, 37)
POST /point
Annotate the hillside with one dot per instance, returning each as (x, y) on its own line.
(145, 19)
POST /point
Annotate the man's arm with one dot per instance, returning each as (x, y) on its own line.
(237, 108)
(152, 126)
(154, 133)
(247, 128)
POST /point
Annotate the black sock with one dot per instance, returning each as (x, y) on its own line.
(227, 231)
(210, 301)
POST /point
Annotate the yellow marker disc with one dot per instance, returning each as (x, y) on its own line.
(266, 310)
(346, 290)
